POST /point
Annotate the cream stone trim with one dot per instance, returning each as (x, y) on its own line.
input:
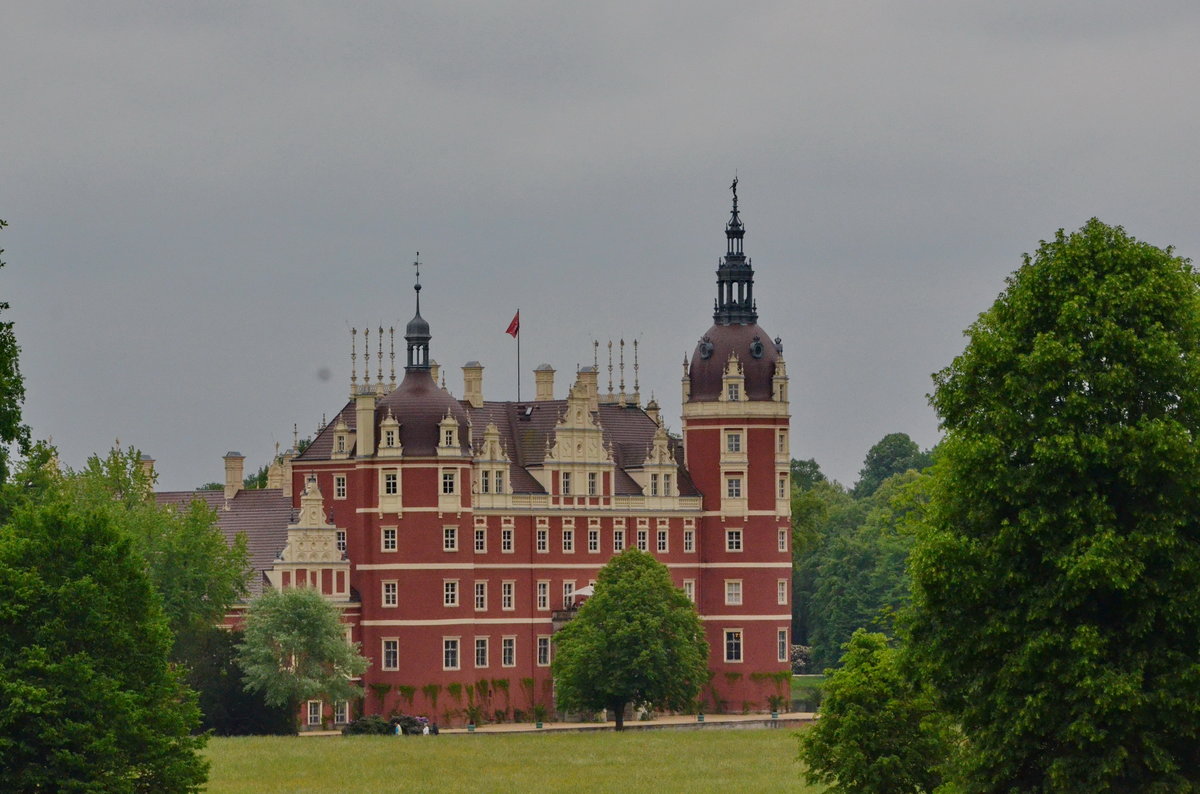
(548, 566)
(747, 408)
(745, 617)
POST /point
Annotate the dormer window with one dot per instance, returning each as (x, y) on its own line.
(733, 392)
(485, 482)
(499, 482)
(341, 443)
(448, 438)
(389, 438)
(566, 483)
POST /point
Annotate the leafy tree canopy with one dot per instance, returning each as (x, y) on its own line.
(88, 701)
(895, 453)
(12, 392)
(294, 648)
(1057, 578)
(879, 732)
(638, 640)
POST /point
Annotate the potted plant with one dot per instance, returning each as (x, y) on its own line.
(539, 714)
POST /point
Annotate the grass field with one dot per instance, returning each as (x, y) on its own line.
(663, 760)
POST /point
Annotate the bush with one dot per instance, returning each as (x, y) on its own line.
(370, 724)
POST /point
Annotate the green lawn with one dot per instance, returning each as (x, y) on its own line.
(661, 760)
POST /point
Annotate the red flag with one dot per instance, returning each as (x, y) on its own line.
(514, 327)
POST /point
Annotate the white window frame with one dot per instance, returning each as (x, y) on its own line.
(740, 639)
(481, 644)
(689, 589)
(733, 487)
(593, 540)
(387, 539)
(389, 645)
(508, 651)
(451, 653)
(315, 707)
(733, 540)
(339, 486)
(568, 593)
(506, 540)
(733, 442)
(783, 540)
(508, 599)
(689, 541)
(663, 542)
(449, 481)
(341, 712)
(543, 650)
(485, 480)
(389, 593)
(568, 541)
(618, 541)
(341, 540)
(654, 485)
(643, 539)
(781, 591)
(481, 595)
(543, 540)
(449, 592)
(782, 646)
(391, 483)
(543, 595)
(733, 593)
(449, 538)
(565, 483)
(593, 483)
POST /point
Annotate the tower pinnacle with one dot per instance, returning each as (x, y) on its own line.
(735, 277)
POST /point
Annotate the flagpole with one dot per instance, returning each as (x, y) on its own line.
(518, 357)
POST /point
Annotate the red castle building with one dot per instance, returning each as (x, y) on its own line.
(458, 534)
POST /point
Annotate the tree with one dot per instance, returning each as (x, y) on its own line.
(226, 708)
(1057, 577)
(637, 640)
(895, 453)
(879, 732)
(295, 649)
(196, 572)
(806, 473)
(88, 700)
(12, 393)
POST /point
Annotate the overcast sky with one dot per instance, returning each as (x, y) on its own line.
(203, 198)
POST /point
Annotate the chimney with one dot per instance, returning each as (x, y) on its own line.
(364, 403)
(434, 370)
(587, 378)
(234, 473)
(473, 383)
(543, 379)
(148, 467)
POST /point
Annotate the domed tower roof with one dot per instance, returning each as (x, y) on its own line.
(735, 329)
(419, 405)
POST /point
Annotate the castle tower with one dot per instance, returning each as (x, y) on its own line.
(735, 428)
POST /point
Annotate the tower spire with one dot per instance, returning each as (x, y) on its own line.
(735, 277)
(416, 333)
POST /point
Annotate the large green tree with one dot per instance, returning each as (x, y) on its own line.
(294, 648)
(88, 699)
(895, 453)
(1057, 582)
(197, 573)
(879, 732)
(638, 640)
(13, 433)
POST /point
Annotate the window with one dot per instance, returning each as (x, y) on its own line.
(662, 540)
(566, 483)
(390, 598)
(568, 594)
(339, 486)
(450, 653)
(508, 651)
(733, 442)
(341, 540)
(485, 481)
(689, 540)
(689, 589)
(592, 483)
(480, 540)
(781, 591)
(733, 487)
(593, 541)
(449, 538)
(499, 482)
(543, 595)
(733, 592)
(448, 482)
(733, 645)
(618, 540)
(781, 491)
(314, 712)
(391, 654)
(666, 485)
(448, 438)
(781, 645)
(480, 596)
(341, 712)
(390, 483)
(389, 438)
(543, 540)
(341, 443)
(506, 540)
(643, 540)
(543, 651)
(481, 651)
(387, 539)
(569, 541)
(733, 540)
(450, 592)
(654, 485)
(506, 594)
(783, 539)
(734, 392)
(781, 442)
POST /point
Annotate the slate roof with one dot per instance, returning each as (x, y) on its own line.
(262, 515)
